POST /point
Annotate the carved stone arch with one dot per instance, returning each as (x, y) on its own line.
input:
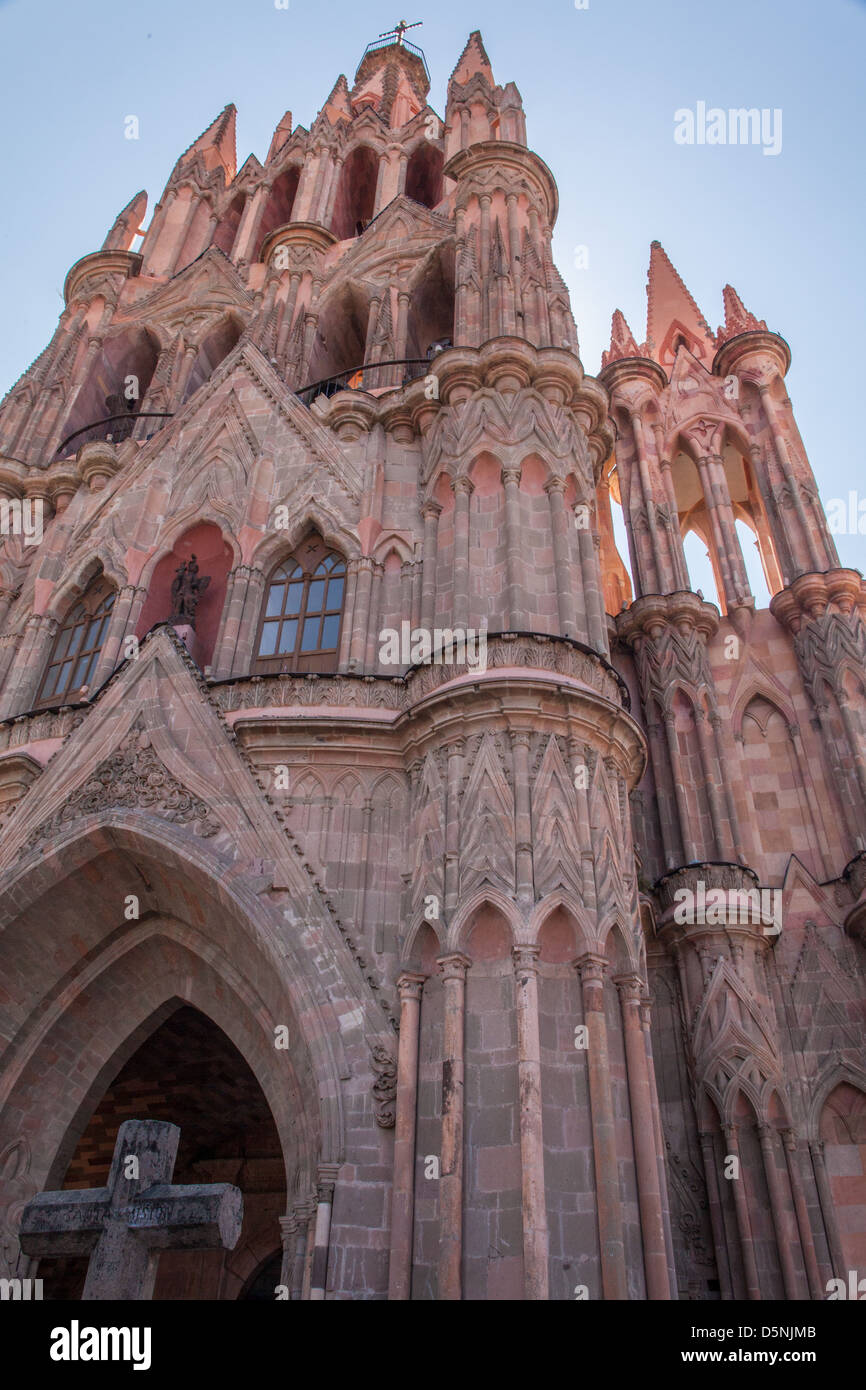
(756, 687)
(97, 563)
(174, 529)
(388, 542)
(560, 901)
(192, 863)
(688, 691)
(312, 515)
(408, 949)
(834, 1072)
(492, 897)
(388, 784)
(614, 934)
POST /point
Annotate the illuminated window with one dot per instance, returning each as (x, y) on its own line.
(78, 645)
(300, 624)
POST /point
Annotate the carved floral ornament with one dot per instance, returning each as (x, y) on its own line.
(133, 778)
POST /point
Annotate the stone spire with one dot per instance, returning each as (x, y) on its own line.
(672, 313)
(737, 317)
(622, 342)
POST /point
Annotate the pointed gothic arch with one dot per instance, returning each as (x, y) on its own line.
(355, 202)
(213, 349)
(280, 205)
(77, 647)
(424, 182)
(302, 613)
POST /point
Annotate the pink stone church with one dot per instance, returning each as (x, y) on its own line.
(490, 913)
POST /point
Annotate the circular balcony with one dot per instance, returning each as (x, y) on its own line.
(372, 378)
(113, 429)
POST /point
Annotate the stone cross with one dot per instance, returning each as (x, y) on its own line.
(123, 1226)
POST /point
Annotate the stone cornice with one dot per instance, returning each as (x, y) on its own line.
(99, 264)
(469, 166)
(736, 351)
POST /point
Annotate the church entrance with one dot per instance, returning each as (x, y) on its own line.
(188, 1072)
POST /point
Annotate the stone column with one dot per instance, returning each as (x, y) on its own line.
(777, 1209)
(249, 583)
(659, 1143)
(596, 620)
(373, 621)
(724, 847)
(592, 970)
(127, 608)
(522, 818)
(804, 1226)
(741, 1207)
(28, 665)
(516, 620)
(288, 1239)
(409, 986)
(565, 586)
(643, 1133)
(324, 1204)
(361, 614)
(463, 490)
(717, 1225)
(453, 968)
(690, 849)
(533, 1200)
(455, 752)
(303, 1215)
(780, 448)
(828, 1208)
(430, 512)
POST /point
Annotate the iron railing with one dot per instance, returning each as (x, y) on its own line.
(114, 429)
(372, 377)
(390, 41)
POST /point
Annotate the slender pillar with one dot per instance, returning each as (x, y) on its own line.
(741, 1207)
(777, 1209)
(659, 1144)
(515, 618)
(300, 1270)
(534, 1207)
(592, 970)
(361, 615)
(409, 986)
(325, 1202)
(522, 818)
(288, 1239)
(828, 1208)
(565, 586)
(463, 490)
(643, 1133)
(804, 1225)
(717, 1225)
(453, 969)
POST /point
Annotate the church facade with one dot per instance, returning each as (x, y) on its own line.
(493, 917)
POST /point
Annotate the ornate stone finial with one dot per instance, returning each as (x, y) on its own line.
(186, 590)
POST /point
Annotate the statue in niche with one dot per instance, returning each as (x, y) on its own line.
(186, 589)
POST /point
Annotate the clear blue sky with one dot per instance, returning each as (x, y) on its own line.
(600, 87)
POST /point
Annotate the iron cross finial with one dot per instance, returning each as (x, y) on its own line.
(399, 30)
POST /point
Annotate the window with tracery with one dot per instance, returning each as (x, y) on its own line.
(77, 646)
(303, 610)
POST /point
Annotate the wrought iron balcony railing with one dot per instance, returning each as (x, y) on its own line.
(114, 429)
(375, 376)
(390, 41)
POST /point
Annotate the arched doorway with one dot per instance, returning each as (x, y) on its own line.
(177, 1013)
(189, 1073)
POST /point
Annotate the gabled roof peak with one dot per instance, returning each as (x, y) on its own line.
(472, 60)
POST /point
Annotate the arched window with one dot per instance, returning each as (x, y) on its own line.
(78, 645)
(300, 623)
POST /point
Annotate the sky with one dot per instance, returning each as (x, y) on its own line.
(600, 86)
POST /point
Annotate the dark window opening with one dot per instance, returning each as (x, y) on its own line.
(303, 611)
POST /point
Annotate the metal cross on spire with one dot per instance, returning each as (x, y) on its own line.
(399, 30)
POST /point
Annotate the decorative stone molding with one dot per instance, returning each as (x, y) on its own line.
(730, 877)
(133, 778)
(668, 634)
(826, 613)
(385, 1085)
